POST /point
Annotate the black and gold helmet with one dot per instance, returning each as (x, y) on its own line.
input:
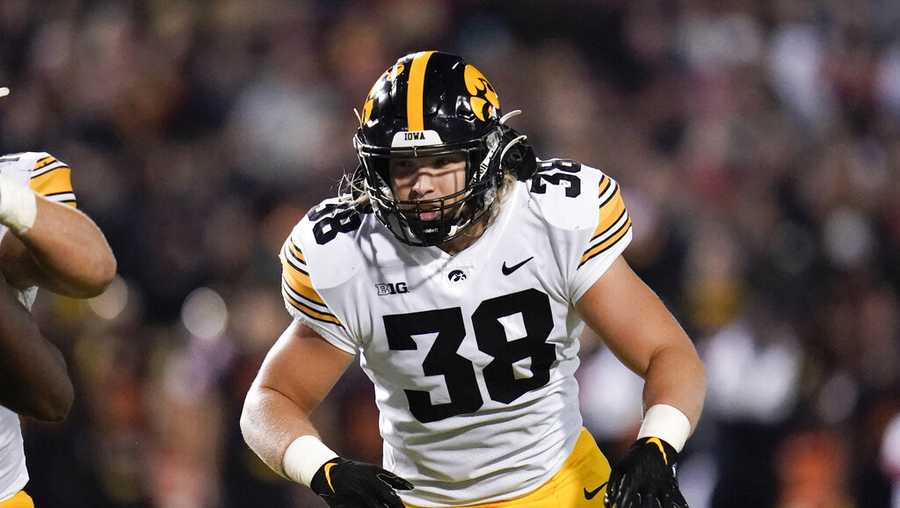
(430, 104)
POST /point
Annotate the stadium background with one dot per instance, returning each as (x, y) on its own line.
(758, 143)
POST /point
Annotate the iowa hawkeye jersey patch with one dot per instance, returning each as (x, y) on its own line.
(475, 351)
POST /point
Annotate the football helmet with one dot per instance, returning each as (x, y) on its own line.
(431, 104)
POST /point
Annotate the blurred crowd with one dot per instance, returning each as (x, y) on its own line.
(758, 143)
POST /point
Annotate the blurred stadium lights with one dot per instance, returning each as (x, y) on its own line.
(848, 237)
(110, 304)
(204, 313)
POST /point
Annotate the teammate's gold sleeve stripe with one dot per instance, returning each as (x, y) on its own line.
(44, 162)
(606, 244)
(300, 282)
(52, 179)
(415, 92)
(57, 181)
(37, 172)
(309, 311)
(610, 213)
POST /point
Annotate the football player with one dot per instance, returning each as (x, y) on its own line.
(44, 242)
(461, 271)
(35, 383)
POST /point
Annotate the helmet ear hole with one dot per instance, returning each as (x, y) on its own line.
(518, 156)
(522, 162)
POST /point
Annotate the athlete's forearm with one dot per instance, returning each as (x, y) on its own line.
(70, 254)
(270, 422)
(676, 377)
(35, 381)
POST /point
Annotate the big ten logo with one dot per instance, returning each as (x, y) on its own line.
(391, 288)
(484, 99)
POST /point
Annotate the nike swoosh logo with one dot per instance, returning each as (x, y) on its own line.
(589, 494)
(510, 269)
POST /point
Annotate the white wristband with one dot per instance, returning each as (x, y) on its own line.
(667, 423)
(303, 457)
(18, 206)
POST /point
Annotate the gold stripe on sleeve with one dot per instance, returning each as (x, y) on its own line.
(605, 182)
(606, 244)
(45, 161)
(309, 311)
(299, 281)
(610, 213)
(55, 182)
(296, 251)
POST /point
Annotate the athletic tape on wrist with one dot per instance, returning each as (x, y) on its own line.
(303, 458)
(18, 206)
(667, 423)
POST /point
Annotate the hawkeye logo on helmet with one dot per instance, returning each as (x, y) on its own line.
(415, 138)
(484, 99)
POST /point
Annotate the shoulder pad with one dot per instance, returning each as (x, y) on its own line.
(25, 162)
(44, 173)
(327, 236)
(567, 194)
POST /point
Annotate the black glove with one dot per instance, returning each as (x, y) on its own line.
(645, 478)
(346, 483)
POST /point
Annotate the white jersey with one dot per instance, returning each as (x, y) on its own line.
(50, 177)
(473, 356)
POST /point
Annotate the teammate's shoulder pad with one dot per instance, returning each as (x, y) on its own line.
(567, 194)
(28, 162)
(325, 237)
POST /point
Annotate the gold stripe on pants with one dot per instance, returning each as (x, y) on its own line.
(20, 500)
(580, 482)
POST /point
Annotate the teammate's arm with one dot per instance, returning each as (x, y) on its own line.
(63, 251)
(34, 380)
(644, 335)
(299, 371)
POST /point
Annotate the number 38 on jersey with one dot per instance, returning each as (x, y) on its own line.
(443, 359)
